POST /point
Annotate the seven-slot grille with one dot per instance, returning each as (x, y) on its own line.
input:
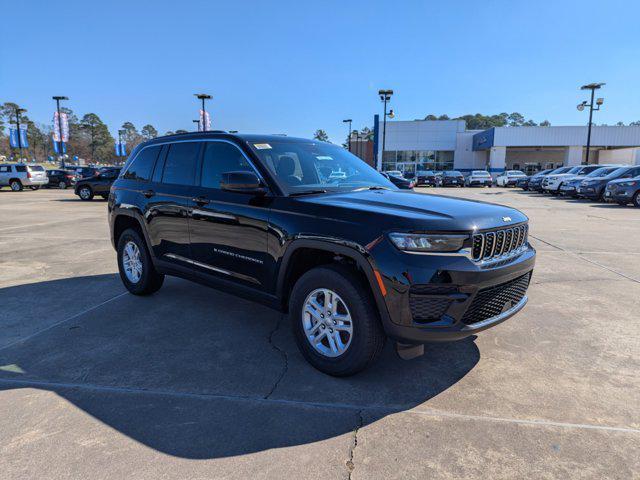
(489, 245)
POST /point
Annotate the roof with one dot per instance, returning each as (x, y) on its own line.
(245, 137)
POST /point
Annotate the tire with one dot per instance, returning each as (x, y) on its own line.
(85, 193)
(149, 280)
(16, 185)
(35, 187)
(636, 199)
(363, 345)
(62, 185)
(622, 204)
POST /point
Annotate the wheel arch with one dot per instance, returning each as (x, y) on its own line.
(338, 251)
(125, 219)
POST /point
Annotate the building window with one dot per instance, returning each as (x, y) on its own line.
(411, 160)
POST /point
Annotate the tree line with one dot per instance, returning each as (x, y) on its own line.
(89, 137)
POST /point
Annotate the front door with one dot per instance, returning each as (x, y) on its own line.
(228, 230)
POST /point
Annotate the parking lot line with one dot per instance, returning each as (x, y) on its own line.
(68, 319)
(389, 408)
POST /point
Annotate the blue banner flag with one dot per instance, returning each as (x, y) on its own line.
(121, 149)
(58, 149)
(23, 136)
(13, 137)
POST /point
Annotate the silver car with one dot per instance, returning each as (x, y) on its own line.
(18, 175)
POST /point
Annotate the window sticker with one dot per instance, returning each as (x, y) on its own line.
(262, 146)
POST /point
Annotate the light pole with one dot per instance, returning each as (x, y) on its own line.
(385, 96)
(203, 97)
(348, 120)
(18, 112)
(593, 87)
(57, 98)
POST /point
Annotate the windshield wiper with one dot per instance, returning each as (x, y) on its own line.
(374, 187)
(306, 192)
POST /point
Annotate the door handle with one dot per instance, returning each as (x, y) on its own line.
(148, 193)
(200, 201)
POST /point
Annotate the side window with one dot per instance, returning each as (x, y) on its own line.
(20, 168)
(221, 157)
(142, 166)
(180, 164)
(4, 169)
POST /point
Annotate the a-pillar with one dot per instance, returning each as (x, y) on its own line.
(573, 156)
(497, 159)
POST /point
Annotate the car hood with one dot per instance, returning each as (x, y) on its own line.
(596, 179)
(413, 210)
(622, 180)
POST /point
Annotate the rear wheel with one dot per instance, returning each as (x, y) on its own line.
(62, 185)
(636, 199)
(85, 193)
(34, 187)
(136, 268)
(334, 321)
(16, 185)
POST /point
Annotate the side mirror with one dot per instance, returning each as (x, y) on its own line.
(242, 182)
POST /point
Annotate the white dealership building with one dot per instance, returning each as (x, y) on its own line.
(448, 145)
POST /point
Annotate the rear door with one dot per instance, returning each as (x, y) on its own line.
(229, 229)
(170, 201)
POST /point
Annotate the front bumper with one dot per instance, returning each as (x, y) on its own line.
(624, 194)
(568, 190)
(443, 298)
(589, 192)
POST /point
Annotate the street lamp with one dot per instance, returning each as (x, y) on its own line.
(593, 87)
(198, 122)
(203, 97)
(385, 96)
(348, 120)
(57, 98)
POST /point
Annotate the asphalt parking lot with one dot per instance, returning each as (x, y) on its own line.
(191, 383)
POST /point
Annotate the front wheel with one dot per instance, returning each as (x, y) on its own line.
(62, 185)
(85, 193)
(136, 268)
(335, 324)
(636, 199)
(16, 185)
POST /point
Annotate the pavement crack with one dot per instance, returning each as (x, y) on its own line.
(282, 352)
(350, 463)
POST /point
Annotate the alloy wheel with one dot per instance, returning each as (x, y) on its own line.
(15, 186)
(131, 262)
(85, 193)
(62, 185)
(327, 323)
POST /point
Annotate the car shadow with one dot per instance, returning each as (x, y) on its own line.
(196, 373)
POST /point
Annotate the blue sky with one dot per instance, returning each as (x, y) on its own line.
(295, 66)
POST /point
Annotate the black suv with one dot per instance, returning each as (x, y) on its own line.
(99, 184)
(353, 260)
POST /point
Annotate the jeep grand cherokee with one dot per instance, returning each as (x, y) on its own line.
(352, 259)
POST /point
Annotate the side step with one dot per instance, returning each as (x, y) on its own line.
(408, 351)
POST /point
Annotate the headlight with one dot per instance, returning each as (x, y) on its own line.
(632, 183)
(424, 242)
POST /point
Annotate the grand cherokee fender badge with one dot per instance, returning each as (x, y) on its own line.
(506, 219)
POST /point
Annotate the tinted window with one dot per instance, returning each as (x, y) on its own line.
(4, 169)
(180, 164)
(21, 168)
(220, 157)
(142, 166)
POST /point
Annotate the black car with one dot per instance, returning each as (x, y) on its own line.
(100, 184)
(426, 177)
(84, 172)
(452, 178)
(594, 187)
(60, 179)
(400, 182)
(623, 191)
(352, 261)
(535, 181)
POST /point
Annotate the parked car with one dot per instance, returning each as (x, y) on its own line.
(84, 172)
(426, 177)
(535, 182)
(593, 188)
(100, 184)
(623, 191)
(60, 179)
(400, 182)
(480, 178)
(395, 173)
(224, 210)
(523, 183)
(18, 175)
(452, 178)
(552, 183)
(569, 188)
(509, 178)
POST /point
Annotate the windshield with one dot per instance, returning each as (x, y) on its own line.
(516, 173)
(616, 172)
(575, 170)
(425, 172)
(560, 170)
(480, 173)
(543, 172)
(452, 174)
(601, 172)
(317, 166)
